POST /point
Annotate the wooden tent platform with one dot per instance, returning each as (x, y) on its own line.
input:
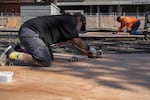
(113, 77)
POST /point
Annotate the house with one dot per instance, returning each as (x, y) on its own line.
(104, 6)
(104, 11)
(10, 6)
(18, 11)
(14, 6)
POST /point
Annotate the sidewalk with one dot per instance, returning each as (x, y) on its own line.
(113, 77)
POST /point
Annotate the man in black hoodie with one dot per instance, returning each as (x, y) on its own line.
(38, 34)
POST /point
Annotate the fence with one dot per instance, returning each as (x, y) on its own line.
(108, 21)
(96, 21)
(9, 21)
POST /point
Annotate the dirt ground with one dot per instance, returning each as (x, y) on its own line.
(113, 77)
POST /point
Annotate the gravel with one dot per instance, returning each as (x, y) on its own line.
(108, 46)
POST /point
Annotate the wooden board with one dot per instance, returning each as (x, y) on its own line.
(109, 35)
(113, 77)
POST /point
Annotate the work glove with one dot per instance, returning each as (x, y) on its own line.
(124, 30)
(74, 59)
(114, 32)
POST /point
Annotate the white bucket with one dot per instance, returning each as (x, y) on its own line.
(6, 76)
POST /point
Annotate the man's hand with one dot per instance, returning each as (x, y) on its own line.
(124, 30)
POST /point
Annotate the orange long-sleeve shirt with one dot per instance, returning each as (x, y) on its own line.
(126, 21)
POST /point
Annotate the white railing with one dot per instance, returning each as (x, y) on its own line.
(10, 20)
(94, 21)
(108, 20)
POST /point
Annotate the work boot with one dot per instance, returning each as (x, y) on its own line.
(4, 56)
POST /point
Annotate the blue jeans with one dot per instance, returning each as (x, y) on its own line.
(135, 28)
(35, 46)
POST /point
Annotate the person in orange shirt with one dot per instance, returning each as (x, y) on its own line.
(130, 23)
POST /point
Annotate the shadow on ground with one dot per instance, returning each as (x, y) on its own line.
(119, 71)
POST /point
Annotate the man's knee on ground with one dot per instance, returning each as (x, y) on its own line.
(45, 63)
